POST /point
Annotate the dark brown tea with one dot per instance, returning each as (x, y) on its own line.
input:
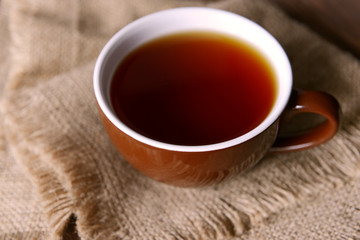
(193, 88)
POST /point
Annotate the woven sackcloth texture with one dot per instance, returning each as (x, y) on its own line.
(21, 215)
(60, 176)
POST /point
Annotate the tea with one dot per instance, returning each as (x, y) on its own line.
(193, 88)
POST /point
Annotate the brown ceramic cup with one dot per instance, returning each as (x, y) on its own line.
(191, 166)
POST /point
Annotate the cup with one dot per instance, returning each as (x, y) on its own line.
(191, 165)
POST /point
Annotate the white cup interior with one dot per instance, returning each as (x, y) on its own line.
(191, 19)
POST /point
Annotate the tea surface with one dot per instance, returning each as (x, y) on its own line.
(193, 88)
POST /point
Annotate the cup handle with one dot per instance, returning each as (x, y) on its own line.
(307, 101)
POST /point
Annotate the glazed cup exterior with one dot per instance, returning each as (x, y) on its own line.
(191, 166)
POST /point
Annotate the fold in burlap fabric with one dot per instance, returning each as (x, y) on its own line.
(79, 183)
(21, 215)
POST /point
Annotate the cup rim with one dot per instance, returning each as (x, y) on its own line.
(279, 105)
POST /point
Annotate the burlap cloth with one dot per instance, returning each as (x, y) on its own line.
(59, 173)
